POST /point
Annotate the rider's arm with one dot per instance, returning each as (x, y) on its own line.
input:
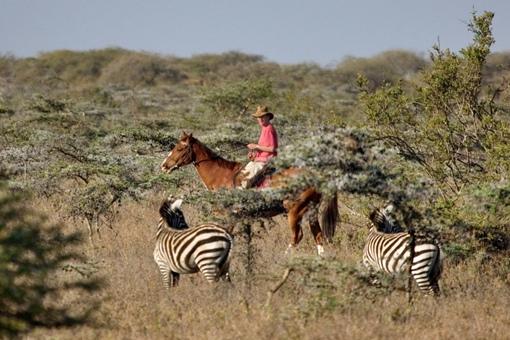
(265, 148)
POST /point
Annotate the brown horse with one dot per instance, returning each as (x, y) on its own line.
(217, 172)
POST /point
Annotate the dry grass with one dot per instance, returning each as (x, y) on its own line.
(320, 300)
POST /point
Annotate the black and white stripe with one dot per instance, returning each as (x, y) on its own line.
(392, 253)
(183, 250)
(384, 220)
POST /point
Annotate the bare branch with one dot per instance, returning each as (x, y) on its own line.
(278, 285)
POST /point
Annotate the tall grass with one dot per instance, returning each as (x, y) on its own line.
(322, 299)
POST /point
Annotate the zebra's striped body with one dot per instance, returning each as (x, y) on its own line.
(182, 250)
(392, 253)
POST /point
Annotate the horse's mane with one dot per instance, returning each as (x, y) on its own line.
(224, 163)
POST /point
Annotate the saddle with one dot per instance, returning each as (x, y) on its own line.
(259, 181)
(263, 179)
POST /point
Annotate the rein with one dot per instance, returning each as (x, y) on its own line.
(189, 156)
(216, 156)
(195, 163)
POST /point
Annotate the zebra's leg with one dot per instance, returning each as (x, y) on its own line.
(436, 291)
(210, 270)
(435, 274)
(371, 271)
(425, 272)
(175, 278)
(427, 281)
(164, 270)
(434, 284)
(224, 266)
(225, 275)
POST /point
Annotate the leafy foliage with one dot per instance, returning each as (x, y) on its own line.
(86, 132)
(237, 97)
(93, 170)
(457, 136)
(31, 252)
(389, 66)
(451, 131)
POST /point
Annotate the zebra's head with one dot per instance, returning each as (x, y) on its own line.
(171, 212)
(383, 220)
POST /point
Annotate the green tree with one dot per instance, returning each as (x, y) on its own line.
(31, 254)
(388, 66)
(237, 97)
(453, 135)
(449, 123)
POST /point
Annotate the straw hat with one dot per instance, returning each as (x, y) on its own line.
(262, 111)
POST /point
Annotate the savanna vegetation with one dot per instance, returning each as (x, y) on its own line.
(83, 134)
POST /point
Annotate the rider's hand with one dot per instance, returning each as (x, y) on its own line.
(252, 146)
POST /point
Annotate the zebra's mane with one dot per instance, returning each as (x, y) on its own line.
(383, 220)
(173, 215)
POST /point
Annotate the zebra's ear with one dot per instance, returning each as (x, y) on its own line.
(176, 204)
(389, 208)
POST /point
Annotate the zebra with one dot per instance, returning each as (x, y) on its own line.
(384, 220)
(392, 252)
(183, 250)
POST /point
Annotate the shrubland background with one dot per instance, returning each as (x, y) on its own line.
(84, 133)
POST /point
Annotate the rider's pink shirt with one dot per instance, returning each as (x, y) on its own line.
(268, 137)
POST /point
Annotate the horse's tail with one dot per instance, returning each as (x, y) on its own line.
(329, 216)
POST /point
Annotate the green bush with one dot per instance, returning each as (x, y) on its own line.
(237, 98)
(141, 70)
(445, 124)
(31, 255)
(389, 66)
(451, 132)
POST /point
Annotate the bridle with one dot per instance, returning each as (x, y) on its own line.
(189, 157)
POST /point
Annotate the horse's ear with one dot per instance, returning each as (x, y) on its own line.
(185, 135)
(184, 139)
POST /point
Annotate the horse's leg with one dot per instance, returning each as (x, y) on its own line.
(294, 219)
(296, 212)
(313, 220)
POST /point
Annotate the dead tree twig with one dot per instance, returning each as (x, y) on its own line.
(278, 285)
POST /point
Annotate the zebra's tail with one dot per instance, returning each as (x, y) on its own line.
(329, 216)
(224, 270)
(436, 271)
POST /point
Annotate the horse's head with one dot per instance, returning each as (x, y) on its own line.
(180, 155)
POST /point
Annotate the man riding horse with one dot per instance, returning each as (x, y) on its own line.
(217, 172)
(262, 152)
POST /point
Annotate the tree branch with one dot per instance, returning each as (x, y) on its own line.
(278, 285)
